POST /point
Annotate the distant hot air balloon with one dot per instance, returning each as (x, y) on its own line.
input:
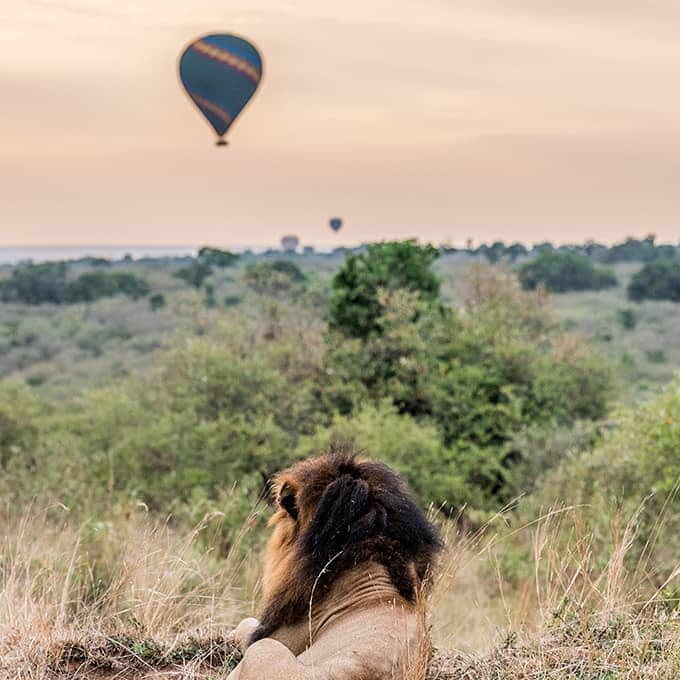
(220, 73)
(290, 243)
(335, 223)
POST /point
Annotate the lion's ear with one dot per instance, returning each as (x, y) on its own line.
(288, 500)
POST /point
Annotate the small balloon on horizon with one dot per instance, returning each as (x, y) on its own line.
(335, 223)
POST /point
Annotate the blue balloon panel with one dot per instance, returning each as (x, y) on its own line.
(220, 73)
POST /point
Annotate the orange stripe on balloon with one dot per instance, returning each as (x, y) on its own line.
(221, 113)
(228, 58)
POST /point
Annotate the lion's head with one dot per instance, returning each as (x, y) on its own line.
(334, 513)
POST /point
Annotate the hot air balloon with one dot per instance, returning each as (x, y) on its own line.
(220, 73)
(335, 223)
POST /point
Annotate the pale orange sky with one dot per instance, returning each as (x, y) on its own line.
(445, 119)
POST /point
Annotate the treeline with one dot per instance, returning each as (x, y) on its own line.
(630, 250)
(563, 272)
(48, 282)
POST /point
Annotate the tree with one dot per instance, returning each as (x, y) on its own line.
(156, 302)
(195, 274)
(562, 272)
(275, 278)
(656, 281)
(35, 284)
(217, 258)
(355, 307)
(91, 286)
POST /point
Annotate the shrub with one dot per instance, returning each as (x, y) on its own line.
(20, 411)
(627, 318)
(437, 475)
(355, 305)
(562, 272)
(477, 385)
(46, 283)
(276, 278)
(99, 284)
(656, 281)
(217, 258)
(156, 302)
(195, 274)
(638, 459)
(35, 284)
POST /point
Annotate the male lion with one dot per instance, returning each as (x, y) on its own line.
(346, 567)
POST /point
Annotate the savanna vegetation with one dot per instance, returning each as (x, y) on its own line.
(138, 433)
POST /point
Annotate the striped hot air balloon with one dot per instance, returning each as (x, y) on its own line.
(220, 73)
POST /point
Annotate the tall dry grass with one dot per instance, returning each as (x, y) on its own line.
(138, 586)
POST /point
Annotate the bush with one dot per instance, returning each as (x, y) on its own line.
(477, 385)
(217, 258)
(217, 419)
(627, 318)
(276, 278)
(656, 281)
(637, 460)
(195, 274)
(562, 272)
(437, 475)
(92, 286)
(157, 302)
(20, 412)
(355, 306)
(35, 284)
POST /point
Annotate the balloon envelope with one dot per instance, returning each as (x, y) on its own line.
(220, 73)
(335, 223)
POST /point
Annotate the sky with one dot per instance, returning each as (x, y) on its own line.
(438, 119)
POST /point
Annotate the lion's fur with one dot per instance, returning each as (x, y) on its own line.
(346, 564)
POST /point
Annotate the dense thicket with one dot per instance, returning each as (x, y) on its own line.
(365, 278)
(36, 284)
(633, 472)
(562, 272)
(656, 281)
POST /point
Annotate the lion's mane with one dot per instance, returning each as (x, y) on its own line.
(335, 513)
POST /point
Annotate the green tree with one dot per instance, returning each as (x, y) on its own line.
(156, 302)
(562, 272)
(656, 281)
(479, 377)
(276, 278)
(355, 306)
(195, 274)
(217, 258)
(35, 284)
(94, 285)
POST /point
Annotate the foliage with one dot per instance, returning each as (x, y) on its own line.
(479, 387)
(275, 278)
(635, 471)
(218, 412)
(414, 448)
(20, 411)
(358, 286)
(195, 274)
(35, 284)
(656, 281)
(217, 258)
(627, 318)
(99, 284)
(562, 272)
(156, 302)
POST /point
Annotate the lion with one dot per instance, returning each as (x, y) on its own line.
(346, 571)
